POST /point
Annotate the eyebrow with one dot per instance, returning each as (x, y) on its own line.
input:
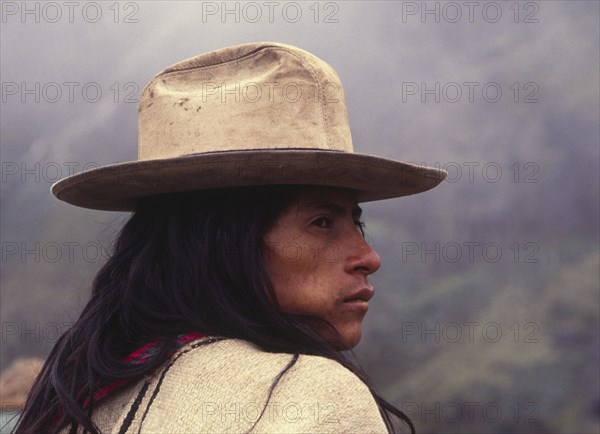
(335, 208)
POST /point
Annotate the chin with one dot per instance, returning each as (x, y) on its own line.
(341, 339)
(347, 342)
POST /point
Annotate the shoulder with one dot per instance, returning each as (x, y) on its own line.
(225, 385)
(313, 394)
(327, 371)
(243, 359)
(246, 361)
(318, 394)
(325, 379)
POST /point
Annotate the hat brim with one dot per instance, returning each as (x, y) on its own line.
(118, 187)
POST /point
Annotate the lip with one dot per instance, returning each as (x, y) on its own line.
(361, 296)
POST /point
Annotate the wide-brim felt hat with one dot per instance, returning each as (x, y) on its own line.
(249, 115)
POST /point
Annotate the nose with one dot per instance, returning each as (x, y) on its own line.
(363, 258)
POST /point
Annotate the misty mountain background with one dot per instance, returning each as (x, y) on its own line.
(505, 340)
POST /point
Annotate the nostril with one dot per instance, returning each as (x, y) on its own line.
(361, 268)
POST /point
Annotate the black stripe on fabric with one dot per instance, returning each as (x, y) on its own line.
(134, 407)
(164, 373)
(291, 363)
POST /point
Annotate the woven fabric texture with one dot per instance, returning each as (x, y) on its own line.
(223, 386)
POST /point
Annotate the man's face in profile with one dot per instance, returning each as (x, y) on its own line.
(319, 261)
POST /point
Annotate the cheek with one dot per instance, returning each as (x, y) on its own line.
(295, 277)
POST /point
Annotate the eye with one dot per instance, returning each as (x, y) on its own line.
(360, 224)
(322, 222)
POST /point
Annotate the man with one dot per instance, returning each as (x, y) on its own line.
(200, 320)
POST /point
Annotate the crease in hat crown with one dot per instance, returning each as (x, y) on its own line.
(253, 96)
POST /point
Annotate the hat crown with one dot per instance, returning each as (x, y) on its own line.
(251, 96)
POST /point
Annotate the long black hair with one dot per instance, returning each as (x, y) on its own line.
(184, 262)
